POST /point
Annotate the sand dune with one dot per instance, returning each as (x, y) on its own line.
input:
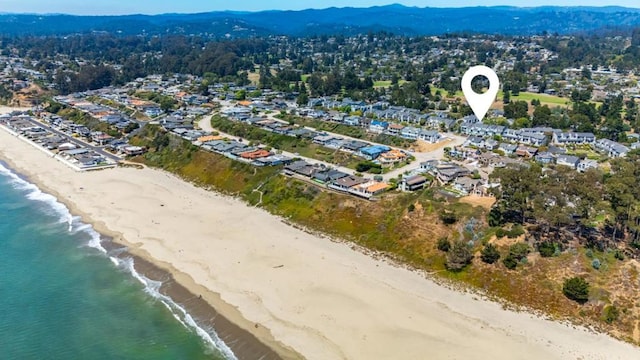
(319, 298)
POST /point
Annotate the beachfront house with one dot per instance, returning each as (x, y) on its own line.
(413, 183)
(372, 152)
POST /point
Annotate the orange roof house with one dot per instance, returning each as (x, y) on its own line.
(209, 138)
(252, 155)
(376, 188)
(392, 156)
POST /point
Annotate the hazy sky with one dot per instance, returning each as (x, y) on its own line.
(94, 7)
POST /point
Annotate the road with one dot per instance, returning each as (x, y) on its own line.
(75, 141)
(205, 124)
(451, 139)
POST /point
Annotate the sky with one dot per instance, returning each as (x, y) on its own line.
(118, 7)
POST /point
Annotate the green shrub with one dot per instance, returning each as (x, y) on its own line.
(576, 289)
(510, 262)
(490, 254)
(519, 250)
(444, 244)
(611, 314)
(459, 256)
(547, 249)
(619, 255)
(516, 231)
(596, 264)
(448, 217)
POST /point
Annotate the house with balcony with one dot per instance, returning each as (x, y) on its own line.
(573, 138)
(430, 136)
(611, 148)
(378, 127)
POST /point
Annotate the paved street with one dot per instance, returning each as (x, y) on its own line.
(76, 141)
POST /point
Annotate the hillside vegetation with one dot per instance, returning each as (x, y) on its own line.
(426, 230)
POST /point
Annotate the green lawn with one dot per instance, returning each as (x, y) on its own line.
(544, 98)
(443, 92)
(386, 83)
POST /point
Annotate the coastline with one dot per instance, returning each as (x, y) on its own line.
(207, 308)
(320, 298)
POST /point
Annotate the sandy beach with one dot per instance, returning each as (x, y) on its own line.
(302, 295)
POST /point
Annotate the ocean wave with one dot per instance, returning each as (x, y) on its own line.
(55, 207)
(152, 288)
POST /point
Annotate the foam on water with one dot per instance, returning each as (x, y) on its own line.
(152, 288)
(64, 215)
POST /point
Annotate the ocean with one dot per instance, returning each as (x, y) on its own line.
(63, 296)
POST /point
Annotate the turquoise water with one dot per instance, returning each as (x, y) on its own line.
(63, 297)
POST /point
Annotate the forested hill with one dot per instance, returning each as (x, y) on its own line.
(392, 18)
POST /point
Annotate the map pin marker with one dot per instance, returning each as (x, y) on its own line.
(480, 103)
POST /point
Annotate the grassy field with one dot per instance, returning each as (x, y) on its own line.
(550, 100)
(386, 83)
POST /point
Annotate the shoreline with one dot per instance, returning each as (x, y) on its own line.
(200, 303)
(310, 297)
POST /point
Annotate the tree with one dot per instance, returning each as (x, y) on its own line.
(576, 289)
(506, 97)
(541, 115)
(459, 256)
(490, 254)
(516, 109)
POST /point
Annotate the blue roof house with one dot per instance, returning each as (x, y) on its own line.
(372, 152)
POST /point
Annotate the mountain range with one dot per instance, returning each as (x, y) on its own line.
(392, 18)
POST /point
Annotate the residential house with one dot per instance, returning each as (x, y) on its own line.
(413, 183)
(522, 136)
(611, 148)
(526, 151)
(378, 127)
(430, 136)
(256, 154)
(468, 186)
(484, 130)
(429, 165)
(446, 173)
(491, 144)
(544, 158)
(507, 149)
(392, 157)
(474, 141)
(568, 160)
(353, 146)
(573, 138)
(410, 133)
(372, 152)
(352, 120)
(328, 175)
(394, 129)
(323, 139)
(587, 164)
(347, 182)
(485, 158)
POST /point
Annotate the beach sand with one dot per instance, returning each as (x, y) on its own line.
(303, 295)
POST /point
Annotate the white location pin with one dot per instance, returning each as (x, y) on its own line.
(480, 103)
